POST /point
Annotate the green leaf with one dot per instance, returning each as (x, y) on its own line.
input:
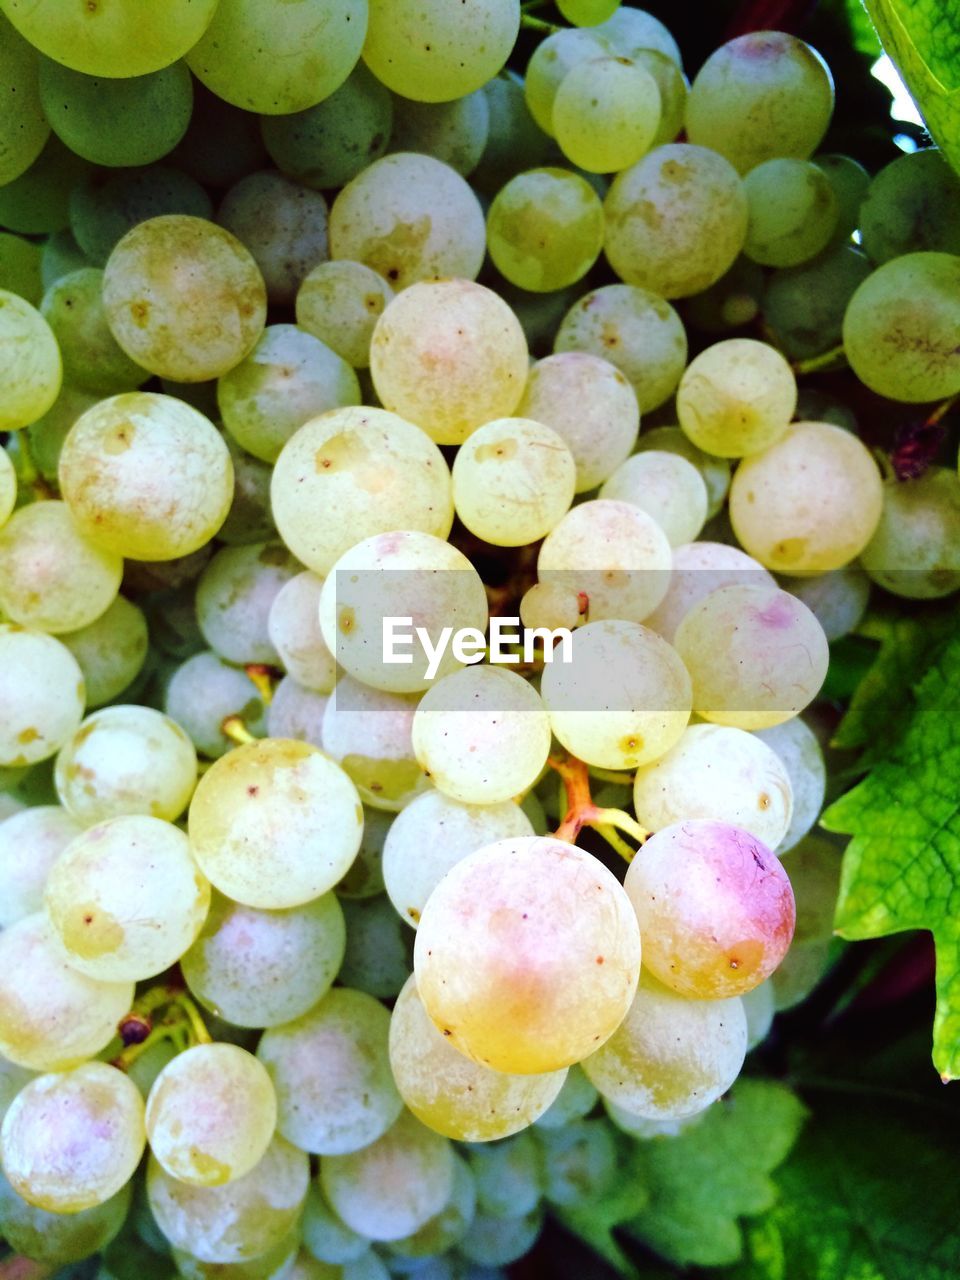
(595, 1222)
(923, 39)
(863, 35)
(902, 868)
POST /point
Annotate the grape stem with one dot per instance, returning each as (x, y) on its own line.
(835, 358)
(180, 1023)
(538, 24)
(582, 812)
(234, 728)
(263, 678)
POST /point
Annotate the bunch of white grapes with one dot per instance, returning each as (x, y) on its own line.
(283, 924)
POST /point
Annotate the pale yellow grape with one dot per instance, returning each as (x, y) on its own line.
(289, 378)
(643, 1128)
(802, 756)
(42, 695)
(184, 298)
(399, 575)
(449, 1093)
(758, 96)
(276, 62)
(432, 834)
(613, 552)
(44, 831)
(446, 1229)
(810, 502)
(675, 220)
(126, 759)
(294, 627)
(606, 114)
(482, 734)
(792, 212)
(513, 480)
(211, 1114)
(715, 471)
(449, 356)
(12, 1080)
(331, 1071)
(369, 734)
(52, 576)
(92, 361)
(527, 955)
(31, 370)
(281, 1262)
(275, 823)
(60, 1238)
(587, 13)
(673, 86)
(203, 692)
(433, 52)
(756, 655)
(353, 473)
(631, 30)
(394, 1186)
(718, 772)
(622, 723)
(296, 712)
(671, 1057)
(736, 398)
(8, 487)
(111, 650)
(915, 550)
(455, 132)
(633, 329)
(125, 899)
(549, 604)
(409, 218)
(839, 598)
(238, 1221)
(667, 487)
(698, 569)
(545, 229)
(551, 62)
(340, 303)
(71, 1140)
(234, 597)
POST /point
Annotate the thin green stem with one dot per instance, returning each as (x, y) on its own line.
(611, 775)
(531, 23)
(621, 821)
(198, 1028)
(835, 358)
(614, 840)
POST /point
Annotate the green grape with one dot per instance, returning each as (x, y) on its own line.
(761, 96)
(912, 205)
(368, 732)
(515, 142)
(234, 596)
(849, 181)
(340, 303)
(332, 1075)
(497, 908)
(719, 773)
(545, 229)
(59, 1238)
(915, 550)
(145, 474)
(900, 328)
(447, 1228)
(261, 968)
(256, 848)
(409, 217)
(449, 1093)
(60, 255)
(626, 724)
(431, 835)
(8, 487)
(330, 143)
(606, 114)
(20, 267)
(24, 127)
(249, 518)
(732, 302)
(630, 30)
(45, 830)
(118, 40)
(580, 1162)
(126, 760)
(633, 329)
(799, 750)
(51, 575)
(576, 1099)
(756, 655)
(325, 1237)
(805, 305)
(513, 480)
(191, 324)
(203, 692)
(587, 13)
(455, 132)
(667, 487)
(222, 143)
(72, 1140)
(278, 1263)
(365, 877)
(676, 220)
(791, 212)
(288, 378)
(509, 1176)
(552, 60)
(129, 121)
(42, 695)
(294, 627)
(758, 1005)
(47, 434)
(538, 313)
(296, 712)
(105, 207)
(358, 472)
(496, 1242)
(377, 958)
(39, 200)
(30, 365)
(839, 599)
(810, 502)
(144, 1070)
(233, 1223)
(97, 897)
(279, 61)
(449, 356)
(737, 397)
(672, 1056)
(92, 360)
(211, 1115)
(673, 87)
(282, 224)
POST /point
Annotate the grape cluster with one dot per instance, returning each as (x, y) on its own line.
(296, 298)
